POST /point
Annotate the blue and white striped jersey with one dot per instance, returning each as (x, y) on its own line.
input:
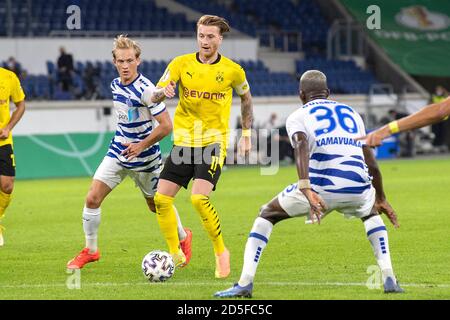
(336, 166)
(135, 121)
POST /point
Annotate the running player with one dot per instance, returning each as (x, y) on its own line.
(134, 151)
(206, 81)
(335, 173)
(9, 88)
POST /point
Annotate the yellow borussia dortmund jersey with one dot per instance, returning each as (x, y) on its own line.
(9, 87)
(205, 92)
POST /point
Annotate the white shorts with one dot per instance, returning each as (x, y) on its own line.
(112, 174)
(295, 203)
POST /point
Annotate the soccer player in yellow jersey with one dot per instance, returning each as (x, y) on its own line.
(206, 81)
(9, 88)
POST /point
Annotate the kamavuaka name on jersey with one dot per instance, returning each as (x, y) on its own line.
(203, 94)
(338, 140)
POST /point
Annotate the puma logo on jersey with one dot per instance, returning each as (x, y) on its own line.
(211, 173)
(189, 74)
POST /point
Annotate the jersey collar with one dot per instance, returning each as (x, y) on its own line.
(318, 100)
(197, 56)
(138, 76)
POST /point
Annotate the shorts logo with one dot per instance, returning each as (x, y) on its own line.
(214, 163)
(219, 77)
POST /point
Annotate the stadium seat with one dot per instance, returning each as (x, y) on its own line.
(256, 16)
(262, 81)
(343, 76)
(103, 15)
(62, 95)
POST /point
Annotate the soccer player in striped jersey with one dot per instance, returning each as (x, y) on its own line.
(134, 150)
(206, 82)
(335, 172)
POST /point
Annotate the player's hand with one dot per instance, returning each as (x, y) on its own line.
(245, 145)
(132, 150)
(382, 206)
(317, 205)
(4, 133)
(169, 90)
(375, 138)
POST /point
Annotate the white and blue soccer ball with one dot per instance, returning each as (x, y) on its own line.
(158, 266)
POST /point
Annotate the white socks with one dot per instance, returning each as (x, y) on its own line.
(181, 233)
(378, 237)
(262, 228)
(257, 241)
(91, 221)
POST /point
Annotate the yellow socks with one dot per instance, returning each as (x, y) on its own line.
(5, 199)
(210, 220)
(167, 221)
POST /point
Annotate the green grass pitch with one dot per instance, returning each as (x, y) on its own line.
(301, 261)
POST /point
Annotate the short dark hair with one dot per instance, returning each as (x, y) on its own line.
(313, 81)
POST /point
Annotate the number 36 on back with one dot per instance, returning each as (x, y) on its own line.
(345, 120)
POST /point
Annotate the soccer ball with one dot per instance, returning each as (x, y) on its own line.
(158, 266)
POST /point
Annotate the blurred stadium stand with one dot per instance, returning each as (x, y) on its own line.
(41, 87)
(42, 17)
(274, 41)
(284, 26)
(342, 76)
(283, 18)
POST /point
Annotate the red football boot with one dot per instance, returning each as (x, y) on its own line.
(82, 258)
(186, 245)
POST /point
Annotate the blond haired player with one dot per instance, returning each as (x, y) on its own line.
(9, 89)
(206, 81)
(134, 151)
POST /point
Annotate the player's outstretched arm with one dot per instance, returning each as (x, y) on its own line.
(161, 93)
(245, 142)
(301, 152)
(381, 204)
(163, 129)
(428, 115)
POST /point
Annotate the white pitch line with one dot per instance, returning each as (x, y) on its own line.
(82, 160)
(197, 284)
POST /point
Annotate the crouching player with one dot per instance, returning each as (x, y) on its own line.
(335, 172)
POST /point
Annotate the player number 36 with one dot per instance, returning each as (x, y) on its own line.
(345, 120)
